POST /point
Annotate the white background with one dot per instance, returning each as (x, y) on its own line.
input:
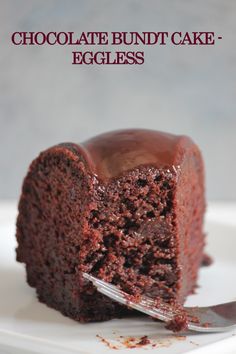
(185, 90)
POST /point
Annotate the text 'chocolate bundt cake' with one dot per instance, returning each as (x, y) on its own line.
(125, 206)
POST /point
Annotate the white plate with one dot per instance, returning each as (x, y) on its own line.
(26, 326)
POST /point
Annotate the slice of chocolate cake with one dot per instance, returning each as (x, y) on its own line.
(125, 206)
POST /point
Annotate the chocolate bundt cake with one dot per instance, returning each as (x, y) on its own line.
(125, 206)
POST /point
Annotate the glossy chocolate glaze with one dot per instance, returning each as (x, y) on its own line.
(111, 154)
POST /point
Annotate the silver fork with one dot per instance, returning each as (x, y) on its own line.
(217, 318)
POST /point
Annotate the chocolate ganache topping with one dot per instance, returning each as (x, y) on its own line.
(113, 153)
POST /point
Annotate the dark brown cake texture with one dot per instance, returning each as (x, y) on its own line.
(126, 206)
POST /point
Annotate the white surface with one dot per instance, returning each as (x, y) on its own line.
(26, 326)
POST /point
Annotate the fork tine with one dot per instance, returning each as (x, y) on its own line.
(136, 306)
(145, 305)
(144, 300)
(102, 284)
(97, 281)
(218, 323)
(120, 296)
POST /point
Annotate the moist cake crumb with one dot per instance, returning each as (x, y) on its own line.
(125, 206)
(178, 323)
